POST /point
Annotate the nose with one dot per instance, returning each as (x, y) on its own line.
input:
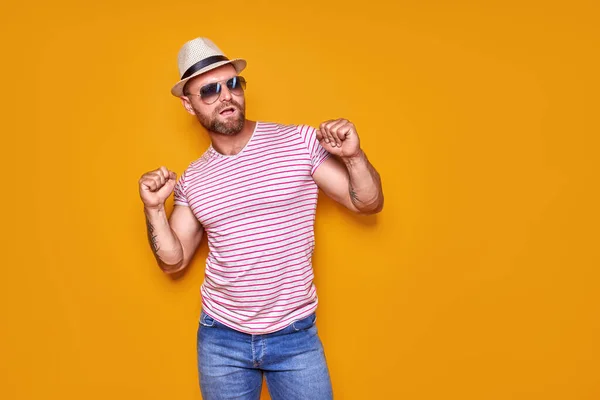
(225, 93)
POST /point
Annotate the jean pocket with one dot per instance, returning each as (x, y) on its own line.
(305, 323)
(206, 320)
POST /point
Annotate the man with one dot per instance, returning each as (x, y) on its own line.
(254, 193)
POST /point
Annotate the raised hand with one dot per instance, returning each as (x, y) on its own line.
(339, 137)
(156, 186)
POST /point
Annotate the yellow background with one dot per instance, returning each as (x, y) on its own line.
(479, 280)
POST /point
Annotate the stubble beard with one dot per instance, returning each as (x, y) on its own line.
(229, 126)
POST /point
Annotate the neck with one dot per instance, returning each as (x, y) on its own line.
(230, 145)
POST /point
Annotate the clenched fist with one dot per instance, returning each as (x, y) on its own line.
(156, 186)
(339, 137)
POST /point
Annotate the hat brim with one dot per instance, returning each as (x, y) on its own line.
(238, 63)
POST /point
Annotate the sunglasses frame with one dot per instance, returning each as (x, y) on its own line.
(219, 88)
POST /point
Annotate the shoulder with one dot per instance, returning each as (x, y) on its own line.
(270, 125)
(301, 128)
(202, 160)
(198, 166)
(278, 130)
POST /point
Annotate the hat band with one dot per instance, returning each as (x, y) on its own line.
(202, 64)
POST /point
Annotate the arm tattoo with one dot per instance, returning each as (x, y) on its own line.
(152, 237)
(353, 195)
(153, 240)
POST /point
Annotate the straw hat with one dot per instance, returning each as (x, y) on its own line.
(199, 56)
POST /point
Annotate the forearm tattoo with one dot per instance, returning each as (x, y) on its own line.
(152, 237)
(353, 194)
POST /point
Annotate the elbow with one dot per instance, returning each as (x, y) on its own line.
(172, 272)
(371, 211)
(172, 269)
(372, 208)
(378, 209)
(380, 202)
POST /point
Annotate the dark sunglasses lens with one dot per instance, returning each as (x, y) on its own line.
(210, 93)
(237, 84)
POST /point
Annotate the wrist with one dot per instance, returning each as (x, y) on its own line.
(154, 209)
(352, 160)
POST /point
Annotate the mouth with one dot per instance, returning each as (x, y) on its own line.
(228, 111)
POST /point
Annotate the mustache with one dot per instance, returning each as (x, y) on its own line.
(231, 103)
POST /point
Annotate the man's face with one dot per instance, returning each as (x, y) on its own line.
(227, 114)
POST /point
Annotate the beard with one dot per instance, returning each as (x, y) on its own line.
(229, 126)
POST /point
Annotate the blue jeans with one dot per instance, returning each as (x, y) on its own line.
(231, 364)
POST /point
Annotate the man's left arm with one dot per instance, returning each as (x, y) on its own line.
(348, 178)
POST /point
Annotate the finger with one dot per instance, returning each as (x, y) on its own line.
(319, 135)
(324, 124)
(338, 122)
(167, 188)
(344, 131)
(148, 184)
(159, 180)
(325, 130)
(158, 174)
(333, 128)
(149, 177)
(165, 172)
(338, 125)
(328, 137)
(323, 133)
(333, 139)
(172, 175)
(332, 136)
(330, 127)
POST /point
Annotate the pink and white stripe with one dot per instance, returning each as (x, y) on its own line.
(258, 210)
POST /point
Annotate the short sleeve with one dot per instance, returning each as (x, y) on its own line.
(317, 153)
(180, 191)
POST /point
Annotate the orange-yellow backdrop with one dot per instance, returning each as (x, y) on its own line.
(480, 278)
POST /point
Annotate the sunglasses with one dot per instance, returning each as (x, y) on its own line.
(211, 92)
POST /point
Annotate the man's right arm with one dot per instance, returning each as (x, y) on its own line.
(173, 240)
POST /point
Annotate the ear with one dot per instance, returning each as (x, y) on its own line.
(187, 105)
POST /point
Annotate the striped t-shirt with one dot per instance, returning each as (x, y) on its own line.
(258, 210)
